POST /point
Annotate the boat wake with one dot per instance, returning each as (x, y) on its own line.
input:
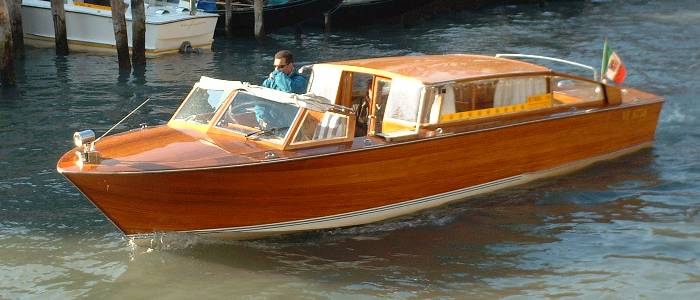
(173, 241)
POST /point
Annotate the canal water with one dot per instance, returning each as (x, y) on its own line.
(626, 228)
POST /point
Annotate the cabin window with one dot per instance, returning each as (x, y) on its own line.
(483, 98)
(403, 101)
(571, 91)
(324, 82)
(319, 126)
(402, 107)
(518, 90)
(201, 105)
(252, 115)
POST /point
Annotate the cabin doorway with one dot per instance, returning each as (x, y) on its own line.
(356, 92)
(361, 99)
(381, 86)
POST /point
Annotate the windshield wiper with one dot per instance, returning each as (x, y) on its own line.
(266, 131)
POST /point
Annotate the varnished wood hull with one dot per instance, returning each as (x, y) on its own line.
(367, 185)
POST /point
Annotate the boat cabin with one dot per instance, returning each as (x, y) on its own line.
(389, 99)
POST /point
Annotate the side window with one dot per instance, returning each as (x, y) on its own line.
(518, 90)
(324, 82)
(485, 98)
(572, 91)
(318, 126)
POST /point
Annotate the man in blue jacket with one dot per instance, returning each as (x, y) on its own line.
(284, 77)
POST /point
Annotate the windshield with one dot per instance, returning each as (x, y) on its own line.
(201, 105)
(254, 116)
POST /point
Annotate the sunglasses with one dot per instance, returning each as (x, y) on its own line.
(280, 66)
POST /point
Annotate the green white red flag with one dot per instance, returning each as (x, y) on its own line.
(612, 67)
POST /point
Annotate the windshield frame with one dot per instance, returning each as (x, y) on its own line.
(214, 126)
(228, 87)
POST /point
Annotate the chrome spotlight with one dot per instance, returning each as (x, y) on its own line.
(86, 153)
(82, 138)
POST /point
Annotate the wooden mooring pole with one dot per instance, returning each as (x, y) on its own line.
(259, 25)
(7, 68)
(327, 21)
(229, 15)
(14, 8)
(138, 33)
(59, 27)
(120, 35)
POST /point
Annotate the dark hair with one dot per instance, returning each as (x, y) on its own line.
(286, 54)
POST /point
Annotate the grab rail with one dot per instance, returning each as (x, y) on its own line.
(595, 73)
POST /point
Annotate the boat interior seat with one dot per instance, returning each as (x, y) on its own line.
(331, 126)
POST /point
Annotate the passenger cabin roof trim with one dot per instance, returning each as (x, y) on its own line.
(434, 69)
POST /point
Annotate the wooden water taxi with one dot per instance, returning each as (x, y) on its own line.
(372, 139)
(89, 26)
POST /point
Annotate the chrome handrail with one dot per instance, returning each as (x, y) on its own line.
(595, 73)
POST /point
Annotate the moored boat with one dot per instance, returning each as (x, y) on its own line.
(89, 26)
(373, 139)
(357, 12)
(275, 15)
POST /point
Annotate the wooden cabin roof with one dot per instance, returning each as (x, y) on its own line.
(432, 69)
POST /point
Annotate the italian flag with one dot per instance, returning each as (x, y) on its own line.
(612, 67)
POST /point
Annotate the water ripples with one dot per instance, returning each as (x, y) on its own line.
(624, 228)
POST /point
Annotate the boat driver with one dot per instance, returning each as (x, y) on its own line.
(284, 77)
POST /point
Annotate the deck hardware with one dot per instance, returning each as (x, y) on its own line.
(270, 155)
(83, 138)
(368, 142)
(438, 131)
(86, 140)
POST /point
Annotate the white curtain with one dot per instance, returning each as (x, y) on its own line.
(443, 104)
(404, 99)
(325, 81)
(510, 91)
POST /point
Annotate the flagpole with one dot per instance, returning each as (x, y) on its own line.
(603, 64)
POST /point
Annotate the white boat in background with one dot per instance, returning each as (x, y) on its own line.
(89, 26)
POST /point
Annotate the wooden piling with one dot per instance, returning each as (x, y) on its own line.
(14, 8)
(229, 15)
(7, 72)
(59, 27)
(138, 33)
(259, 25)
(120, 34)
(327, 21)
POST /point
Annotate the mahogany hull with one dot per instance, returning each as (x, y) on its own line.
(386, 181)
